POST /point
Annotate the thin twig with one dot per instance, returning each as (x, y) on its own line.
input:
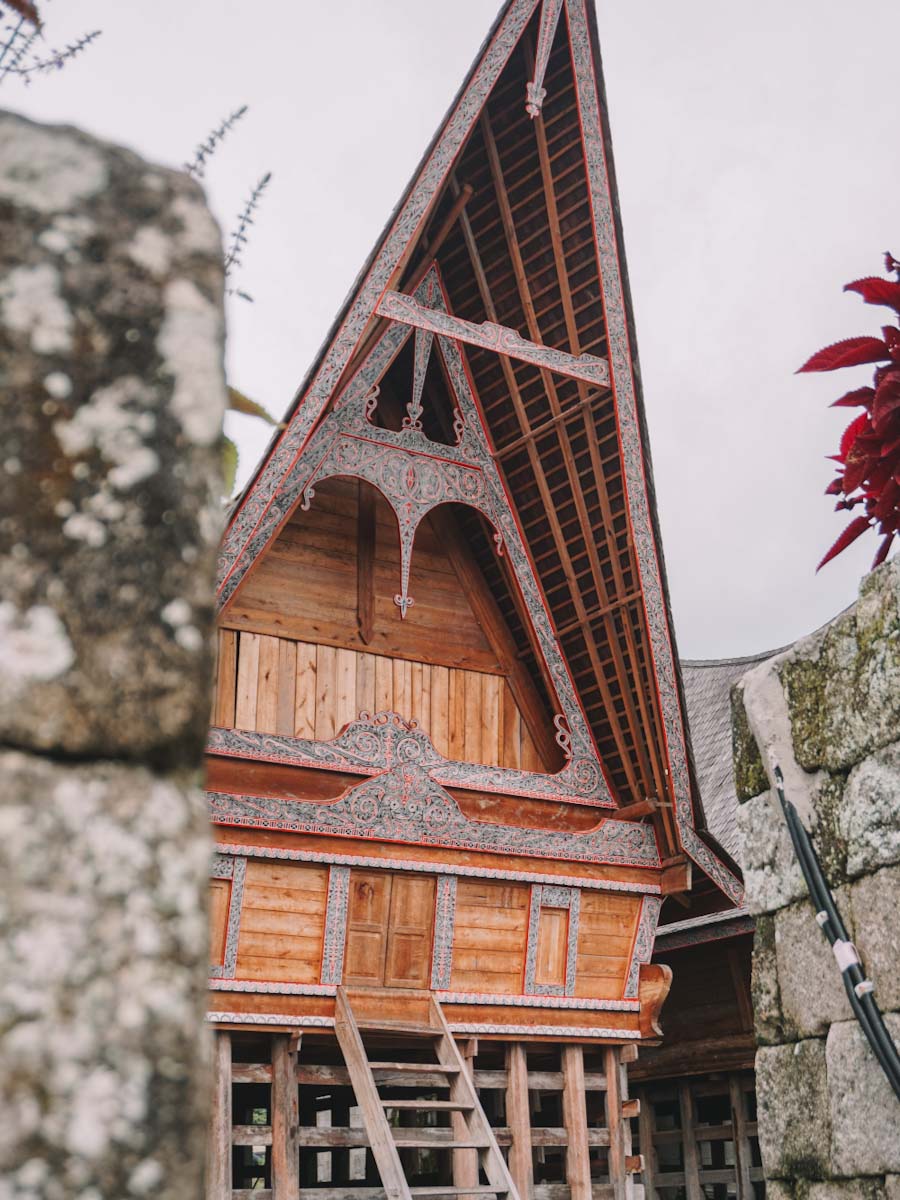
(239, 238)
(197, 165)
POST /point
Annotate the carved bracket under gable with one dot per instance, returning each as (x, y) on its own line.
(373, 744)
(404, 804)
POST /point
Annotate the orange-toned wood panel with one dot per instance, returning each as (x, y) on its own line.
(219, 898)
(368, 910)
(306, 587)
(490, 935)
(606, 930)
(408, 960)
(303, 690)
(552, 945)
(282, 922)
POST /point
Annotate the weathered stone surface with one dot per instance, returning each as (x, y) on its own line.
(794, 1115)
(749, 773)
(777, 1189)
(869, 814)
(112, 390)
(855, 1189)
(874, 902)
(772, 876)
(103, 951)
(843, 683)
(892, 1187)
(770, 1023)
(812, 991)
(865, 1113)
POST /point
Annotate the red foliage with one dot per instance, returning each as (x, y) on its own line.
(869, 452)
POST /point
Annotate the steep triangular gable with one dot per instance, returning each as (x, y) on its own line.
(570, 448)
(416, 475)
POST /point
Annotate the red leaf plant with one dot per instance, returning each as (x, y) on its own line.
(869, 453)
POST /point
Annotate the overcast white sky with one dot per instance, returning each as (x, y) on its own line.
(756, 151)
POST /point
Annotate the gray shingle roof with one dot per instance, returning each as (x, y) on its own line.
(707, 684)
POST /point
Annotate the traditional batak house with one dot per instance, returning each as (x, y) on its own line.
(449, 774)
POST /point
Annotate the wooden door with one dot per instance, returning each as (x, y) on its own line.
(390, 925)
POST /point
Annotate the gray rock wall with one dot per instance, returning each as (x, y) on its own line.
(828, 711)
(111, 401)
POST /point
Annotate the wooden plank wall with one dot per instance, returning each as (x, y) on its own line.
(606, 930)
(490, 935)
(306, 587)
(276, 685)
(283, 922)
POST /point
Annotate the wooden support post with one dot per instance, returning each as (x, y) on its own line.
(518, 1118)
(365, 564)
(465, 1162)
(693, 1190)
(742, 1152)
(646, 1127)
(285, 1119)
(218, 1146)
(618, 1150)
(578, 1158)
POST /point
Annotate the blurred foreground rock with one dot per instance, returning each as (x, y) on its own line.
(112, 386)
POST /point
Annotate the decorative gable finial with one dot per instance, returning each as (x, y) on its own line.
(535, 92)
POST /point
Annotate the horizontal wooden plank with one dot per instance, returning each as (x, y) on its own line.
(251, 1135)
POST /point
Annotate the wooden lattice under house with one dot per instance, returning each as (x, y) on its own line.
(448, 771)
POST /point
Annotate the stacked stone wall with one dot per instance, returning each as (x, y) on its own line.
(111, 402)
(828, 712)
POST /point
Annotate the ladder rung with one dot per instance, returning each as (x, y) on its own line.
(417, 1027)
(458, 1191)
(418, 1139)
(408, 1066)
(441, 1105)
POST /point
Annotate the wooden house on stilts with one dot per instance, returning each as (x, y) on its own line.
(448, 769)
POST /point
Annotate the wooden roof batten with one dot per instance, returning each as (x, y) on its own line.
(513, 206)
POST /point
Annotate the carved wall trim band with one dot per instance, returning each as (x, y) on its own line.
(432, 868)
(335, 924)
(444, 922)
(582, 1004)
(562, 1031)
(244, 1018)
(264, 987)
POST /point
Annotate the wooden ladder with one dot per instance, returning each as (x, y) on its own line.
(385, 1140)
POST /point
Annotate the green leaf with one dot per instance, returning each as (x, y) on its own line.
(238, 402)
(229, 464)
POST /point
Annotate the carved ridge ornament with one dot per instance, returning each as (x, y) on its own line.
(488, 336)
(403, 804)
(372, 744)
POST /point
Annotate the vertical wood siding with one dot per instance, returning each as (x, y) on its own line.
(276, 685)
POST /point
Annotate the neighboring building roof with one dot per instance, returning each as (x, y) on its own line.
(707, 688)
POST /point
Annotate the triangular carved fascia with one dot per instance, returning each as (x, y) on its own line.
(261, 511)
(265, 507)
(416, 475)
(405, 799)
